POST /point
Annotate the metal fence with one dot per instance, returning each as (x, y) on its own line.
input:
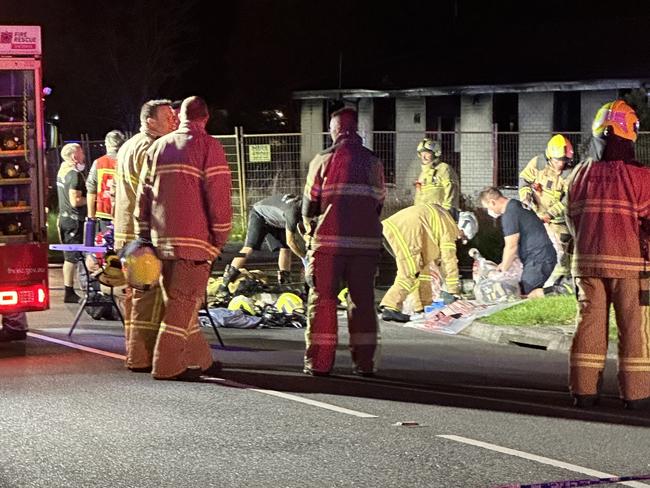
(265, 164)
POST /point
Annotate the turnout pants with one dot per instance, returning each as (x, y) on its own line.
(330, 274)
(14, 321)
(414, 273)
(559, 235)
(589, 348)
(180, 343)
(144, 315)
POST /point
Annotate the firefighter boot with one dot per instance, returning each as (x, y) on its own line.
(391, 315)
(284, 277)
(229, 275)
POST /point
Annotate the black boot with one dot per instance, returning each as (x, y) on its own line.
(390, 315)
(230, 273)
(70, 295)
(640, 404)
(284, 277)
(8, 335)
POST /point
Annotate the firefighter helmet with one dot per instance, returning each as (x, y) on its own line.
(559, 147)
(289, 302)
(620, 117)
(468, 223)
(111, 274)
(431, 146)
(142, 266)
(244, 303)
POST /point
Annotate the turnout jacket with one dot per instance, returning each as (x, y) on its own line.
(343, 199)
(183, 204)
(430, 229)
(544, 187)
(437, 185)
(130, 160)
(606, 205)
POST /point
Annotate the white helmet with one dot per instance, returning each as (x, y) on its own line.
(468, 223)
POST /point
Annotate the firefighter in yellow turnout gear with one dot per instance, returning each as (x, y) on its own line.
(438, 182)
(421, 236)
(542, 187)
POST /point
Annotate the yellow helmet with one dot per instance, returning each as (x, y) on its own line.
(244, 303)
(111, 274)
(559, 147)
(289, 302)
(618, 116)
(431, 146)
(141, 266)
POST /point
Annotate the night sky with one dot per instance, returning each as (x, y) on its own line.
(103, 58)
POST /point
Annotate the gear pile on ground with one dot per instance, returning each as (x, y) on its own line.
(251, 301)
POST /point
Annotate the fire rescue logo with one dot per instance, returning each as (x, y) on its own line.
(6, 37)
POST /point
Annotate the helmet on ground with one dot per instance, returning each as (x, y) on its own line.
(431, 146)
(141, 265)
(112, 274)
(619, 117)
(289, 302)
(468, 223)
(242, 302)
(559, 147)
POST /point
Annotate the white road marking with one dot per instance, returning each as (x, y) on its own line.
(295, 398)
(278, 394)
(540, 459)
(77, 346)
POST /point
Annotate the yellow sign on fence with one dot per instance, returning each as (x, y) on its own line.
(259, 153)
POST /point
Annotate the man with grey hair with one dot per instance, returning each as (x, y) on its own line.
(184, 209)
(100, 180)
(156, 120)
(71, 192)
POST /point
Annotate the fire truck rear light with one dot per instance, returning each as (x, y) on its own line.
(8, 298)
(41, 295)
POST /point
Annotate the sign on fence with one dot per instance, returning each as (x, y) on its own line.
(259, 153)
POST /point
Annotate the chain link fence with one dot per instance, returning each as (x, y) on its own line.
(266, 164)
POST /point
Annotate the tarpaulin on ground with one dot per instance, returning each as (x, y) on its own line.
(453, 318)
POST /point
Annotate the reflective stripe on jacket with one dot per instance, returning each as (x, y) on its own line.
(552, 186)
(344, 195)
(438, 185)
(410, 227)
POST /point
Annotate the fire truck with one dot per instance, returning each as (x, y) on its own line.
(23, 231)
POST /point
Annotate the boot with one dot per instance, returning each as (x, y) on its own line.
(70, 295)
(640, 404)
(8, 335)
(284, 277)
(229, 275)
(390, 315)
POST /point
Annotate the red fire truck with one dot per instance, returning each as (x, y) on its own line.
(23, 232)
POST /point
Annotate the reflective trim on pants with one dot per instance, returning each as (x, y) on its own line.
(331, 273)
(181, 344)
(147, 309)
(589, 348)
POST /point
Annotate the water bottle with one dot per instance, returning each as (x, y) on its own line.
(89, 232)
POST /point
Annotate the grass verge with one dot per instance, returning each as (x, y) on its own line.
(554, 310)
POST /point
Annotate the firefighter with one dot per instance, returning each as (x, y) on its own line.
(607, 212)
(342, 201)
(525, 237)
(438, 182)
(273, 220)
(142, 309)
(542, 186)
(100, 181)
(419, 237)
(71, 192)
(187, 173)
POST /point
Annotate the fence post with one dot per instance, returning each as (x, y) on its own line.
(241, 169)
(495, 155)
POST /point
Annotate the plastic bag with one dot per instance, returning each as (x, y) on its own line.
(492, 286)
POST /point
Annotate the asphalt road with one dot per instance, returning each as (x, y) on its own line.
(486, 415)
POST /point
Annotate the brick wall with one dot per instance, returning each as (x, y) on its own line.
(535, 118)
(410, 124)
(366, 121)
(311, 125)
(476, 148)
